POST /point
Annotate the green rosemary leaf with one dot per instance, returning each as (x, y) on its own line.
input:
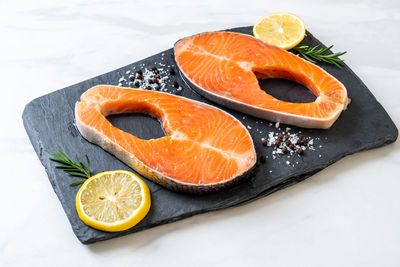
(78, 174)
(67, 168)
(64, 156)
(57, 160)
(309, 59)
(323, 51)
(88, 165)
(313, 50)
(73, 168)
(314, 53)
(77, 182)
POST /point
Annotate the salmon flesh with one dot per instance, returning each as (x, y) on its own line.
(205, 149)
(224, 67)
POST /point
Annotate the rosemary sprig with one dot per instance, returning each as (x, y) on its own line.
(77, 169)
(311, 53)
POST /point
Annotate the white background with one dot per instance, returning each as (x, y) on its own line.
(346, 215)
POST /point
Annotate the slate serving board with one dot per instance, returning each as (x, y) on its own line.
(49, 122)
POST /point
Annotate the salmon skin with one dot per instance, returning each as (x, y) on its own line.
(224, 67)
(205, 149)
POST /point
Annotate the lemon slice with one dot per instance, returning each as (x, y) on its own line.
(113, 201)
(284, 30)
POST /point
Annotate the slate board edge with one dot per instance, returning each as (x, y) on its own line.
(39, 149)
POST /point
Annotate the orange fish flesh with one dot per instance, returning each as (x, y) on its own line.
(205, 149)
(224, 67)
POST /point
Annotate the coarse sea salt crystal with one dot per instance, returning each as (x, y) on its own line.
(277, 125)
(122, 79)
(271, 138)
(128, 71)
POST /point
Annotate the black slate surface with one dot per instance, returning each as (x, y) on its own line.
(49, 122)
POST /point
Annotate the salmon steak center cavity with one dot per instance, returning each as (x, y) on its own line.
(224, 67)
(205, 149)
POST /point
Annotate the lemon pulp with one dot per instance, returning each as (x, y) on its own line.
(113, 201)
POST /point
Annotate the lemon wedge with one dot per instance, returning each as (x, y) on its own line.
(284, 30)
(113, 201)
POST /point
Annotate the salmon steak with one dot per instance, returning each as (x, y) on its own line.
(225, 67)
(205, 149)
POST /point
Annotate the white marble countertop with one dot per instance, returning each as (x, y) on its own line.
(346, 215)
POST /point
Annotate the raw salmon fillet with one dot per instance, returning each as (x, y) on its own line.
(224, 67)
(205, 149)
